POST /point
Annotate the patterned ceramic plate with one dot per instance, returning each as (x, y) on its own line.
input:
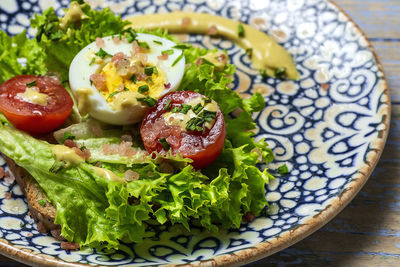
(329, 127)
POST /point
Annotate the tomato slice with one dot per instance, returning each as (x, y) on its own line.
(31, 116)
(161, 131)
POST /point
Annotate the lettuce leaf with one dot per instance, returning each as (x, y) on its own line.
(20, 55)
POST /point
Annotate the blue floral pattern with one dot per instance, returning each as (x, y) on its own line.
(327, 126)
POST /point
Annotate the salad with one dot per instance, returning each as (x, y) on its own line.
(121, 128)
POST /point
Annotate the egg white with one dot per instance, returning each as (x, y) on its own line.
(80, 71)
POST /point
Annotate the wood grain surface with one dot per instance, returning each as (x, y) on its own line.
(367, 232)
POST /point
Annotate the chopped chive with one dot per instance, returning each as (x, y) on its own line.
(67, 135)
(177, 60)
(143, 45)
(133, 78)
(148, 70)
(157, 42)
(196, 109)
(167, 105)
(181, 46)
(126, 88)
(283, 169)
(209, 116)
(164, 143)
(102, 54)
(207, 100)
(249, 52)
(92, 61)
(130, 35)
(21, 224)
(280, 72)
(113, 94)
(31, 84)
(240, 30)
(149, 80)
(149, 101)
(82, 148)
(263, 73)
(167, 52)
(42, 202)
(143, 88)
(175, 109)
(185, 108)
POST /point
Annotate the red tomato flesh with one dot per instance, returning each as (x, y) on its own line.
(34, 118)
(203, 147)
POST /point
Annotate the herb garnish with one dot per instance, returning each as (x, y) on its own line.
(143, 88)
(133, 78)
(157, 42)
(280, 72)
(177, 60)
(167, 105)
(67, 135)
(240, 30)
(196, 109)
(149, 101)
(31, 84)
(185, 108)
(102, 54)
(167, 52)
(164, 143)
(42, 202)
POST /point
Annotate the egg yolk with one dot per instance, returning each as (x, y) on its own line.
(155, 82)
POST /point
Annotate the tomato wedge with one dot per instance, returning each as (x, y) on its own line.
(35, 104)
(188, 123)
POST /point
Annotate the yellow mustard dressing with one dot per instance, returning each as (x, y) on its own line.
(66, 154)
(266, 52)
(74, 15)
(84, 106)
(33, 96)
(107, 174)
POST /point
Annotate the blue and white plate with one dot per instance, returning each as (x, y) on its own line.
(329, 128)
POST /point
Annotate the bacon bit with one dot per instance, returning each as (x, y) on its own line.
(116, 40)
(130, 175)
(127, 138)
(222, 58)
(141, 76)
(212, 30)
(325, 86)
(249, 217)
(123, 149)
(7, 195)
(29, 234)
(56, 233)
(167, 85)
(85, 154)
(69, 246)
(99, 81)
(117, 57)
(142, 58)
(99, 42)
(199, 61)
(186, 21)
(163, 57)
(70, 143)
(41, 228)
(1, 172)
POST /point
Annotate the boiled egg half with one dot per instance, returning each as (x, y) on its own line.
(116, 81)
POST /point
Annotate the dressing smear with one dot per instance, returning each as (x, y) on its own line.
(266, 52)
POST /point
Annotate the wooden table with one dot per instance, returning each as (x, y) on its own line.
(367, 232)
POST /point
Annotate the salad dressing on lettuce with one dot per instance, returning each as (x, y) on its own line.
(266, 53)
(64, 153)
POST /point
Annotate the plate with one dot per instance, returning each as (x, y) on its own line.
(329, 128)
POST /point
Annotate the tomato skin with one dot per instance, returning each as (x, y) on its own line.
(202, 147)
(32, 118)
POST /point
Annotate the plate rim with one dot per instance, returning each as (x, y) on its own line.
(277, 243)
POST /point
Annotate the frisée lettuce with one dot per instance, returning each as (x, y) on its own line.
(94, 211)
